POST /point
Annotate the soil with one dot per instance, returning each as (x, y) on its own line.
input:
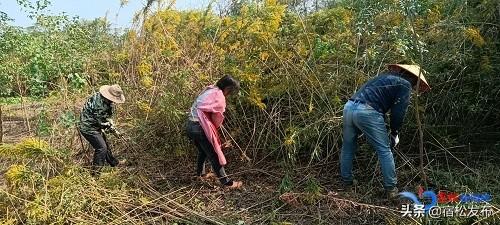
(18, 121)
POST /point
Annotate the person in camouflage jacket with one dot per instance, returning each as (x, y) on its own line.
(96, 118)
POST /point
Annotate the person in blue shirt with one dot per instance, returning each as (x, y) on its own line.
(365, 111)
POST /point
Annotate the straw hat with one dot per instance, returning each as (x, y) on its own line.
(414, 70)
(112, 92)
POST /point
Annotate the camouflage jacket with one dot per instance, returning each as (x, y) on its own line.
(96, 111)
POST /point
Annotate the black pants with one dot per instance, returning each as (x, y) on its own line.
(102, 152)
(205, 150)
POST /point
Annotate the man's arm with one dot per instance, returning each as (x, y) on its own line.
(398, 110)
(102, 115)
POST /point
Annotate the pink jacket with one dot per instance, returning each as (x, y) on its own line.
(211, 114)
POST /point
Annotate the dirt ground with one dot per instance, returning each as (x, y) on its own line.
(19, 121)
(261, 201)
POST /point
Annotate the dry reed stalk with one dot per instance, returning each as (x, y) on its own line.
(1, 125)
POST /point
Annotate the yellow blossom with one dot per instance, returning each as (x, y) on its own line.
(16, 174)
(147, 81)
(472, 34)
(256, 99)
(264, 56)
(144, 68)
(144, 106)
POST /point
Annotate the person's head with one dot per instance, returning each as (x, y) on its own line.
(112, 93)
(411, 73)
(228, 85)
(106, 100)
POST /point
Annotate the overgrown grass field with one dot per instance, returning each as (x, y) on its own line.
(298, 63)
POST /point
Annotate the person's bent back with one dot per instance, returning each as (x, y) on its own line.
(364, 113)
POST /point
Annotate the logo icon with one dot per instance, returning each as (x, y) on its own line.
(426, 195)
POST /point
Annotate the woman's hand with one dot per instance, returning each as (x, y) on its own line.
(226, 145)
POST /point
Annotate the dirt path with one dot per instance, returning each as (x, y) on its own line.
(18, 121)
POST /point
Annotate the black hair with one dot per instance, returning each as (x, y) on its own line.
(405, 75)
(228, 81)
(106, 100)
(409, 77)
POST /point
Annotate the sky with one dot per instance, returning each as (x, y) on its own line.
(91, 9)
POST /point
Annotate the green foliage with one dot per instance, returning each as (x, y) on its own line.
(40, 196)
(10, 100)
(299, 69)
(3, 18)
(21, 179)
(33, 148)
(313, 191)
(16, 174)
(68, 119)
(52, 54)
(6, 149)
(286, 184)
(297, 66)
(76, 81)
(29, 148)
(43, 127)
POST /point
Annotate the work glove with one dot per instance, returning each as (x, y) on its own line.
(109, 127)
(114, 131)
(394, 139)
(109, 123)
(106, 125)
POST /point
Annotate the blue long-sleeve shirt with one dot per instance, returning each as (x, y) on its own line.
(387, 92)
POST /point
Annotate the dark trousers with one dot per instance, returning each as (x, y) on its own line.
(102, 152)
(205, 151)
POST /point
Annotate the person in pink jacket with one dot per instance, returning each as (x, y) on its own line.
(205, 118)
